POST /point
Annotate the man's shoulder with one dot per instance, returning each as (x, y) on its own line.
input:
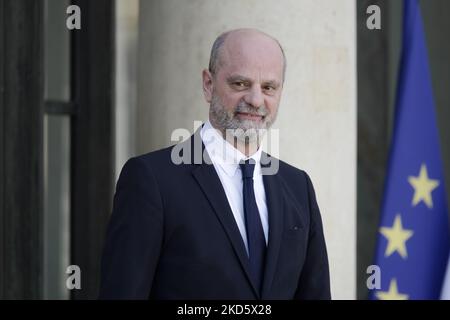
(150, 162)
(160, 156)
(288, 171)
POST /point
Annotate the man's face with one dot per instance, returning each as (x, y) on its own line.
(246, 90)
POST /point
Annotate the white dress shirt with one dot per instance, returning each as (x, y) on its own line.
(225, 159)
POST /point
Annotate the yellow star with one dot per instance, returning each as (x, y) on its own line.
(393, 293)
(423, 186)
(396, 236)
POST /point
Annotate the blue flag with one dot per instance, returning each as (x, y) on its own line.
(413, 236)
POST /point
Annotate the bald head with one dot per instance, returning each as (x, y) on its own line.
(235, 43)
(244, 83)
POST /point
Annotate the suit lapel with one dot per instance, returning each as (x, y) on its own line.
(209, 182)
(206, 176)
(274, 198)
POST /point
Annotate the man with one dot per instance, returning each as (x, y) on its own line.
(228, 226)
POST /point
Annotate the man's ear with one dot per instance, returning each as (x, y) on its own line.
(207, 85)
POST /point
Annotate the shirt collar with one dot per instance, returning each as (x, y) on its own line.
(223, 153)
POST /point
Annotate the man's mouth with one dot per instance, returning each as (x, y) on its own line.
(249, 116)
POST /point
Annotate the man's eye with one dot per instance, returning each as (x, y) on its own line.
(239, 84)
(269, 88)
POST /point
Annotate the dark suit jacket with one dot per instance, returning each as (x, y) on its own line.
(172, 235)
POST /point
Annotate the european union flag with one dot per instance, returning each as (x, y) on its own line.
(413, 243)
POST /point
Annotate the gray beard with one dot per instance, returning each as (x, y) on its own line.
(245, 131)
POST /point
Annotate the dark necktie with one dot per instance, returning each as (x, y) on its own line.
(255, 234)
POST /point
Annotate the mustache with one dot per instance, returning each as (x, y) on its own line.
(246, 108)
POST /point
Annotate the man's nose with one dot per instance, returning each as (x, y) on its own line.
(255, 97)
